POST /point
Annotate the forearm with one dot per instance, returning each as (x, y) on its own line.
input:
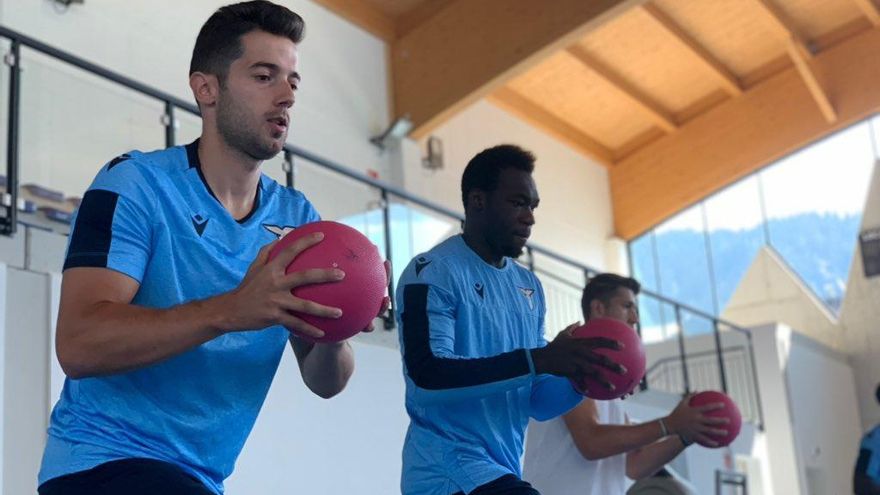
(609, 440)
(109, 337)
(649, 459)
(443, 377)
(326, 368)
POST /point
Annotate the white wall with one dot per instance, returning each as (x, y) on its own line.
(860, 315)
(348, 444)
(811, 412)
(574, 217)
(780, 464)
(825, 415)
(26, 397)
(809, 404)
(74, 123)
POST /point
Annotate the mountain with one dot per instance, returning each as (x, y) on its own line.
(818, 247)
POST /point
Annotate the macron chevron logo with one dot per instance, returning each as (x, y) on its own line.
(479, 288)
(199, 223)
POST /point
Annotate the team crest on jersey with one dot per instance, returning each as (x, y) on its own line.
(528, 293)
(279, 231)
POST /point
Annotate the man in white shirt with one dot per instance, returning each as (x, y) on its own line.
(593, 449)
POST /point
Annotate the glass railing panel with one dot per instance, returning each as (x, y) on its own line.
(415, 230)
(739, 371)
(563, 286)
(659, 332)
(703, 368)
(73, 122)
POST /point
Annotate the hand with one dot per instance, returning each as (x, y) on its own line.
(264, 297)
(576, 358)
(693, 424)
(386, 301)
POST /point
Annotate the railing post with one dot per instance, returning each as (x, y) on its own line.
(288, 167)
(681, 350)
(13, 60)
(386, 221)
(721, 369)
(755, 382)
(169, 123)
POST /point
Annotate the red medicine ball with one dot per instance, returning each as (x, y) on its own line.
(632, 357)
(359, 295)
(729, 411)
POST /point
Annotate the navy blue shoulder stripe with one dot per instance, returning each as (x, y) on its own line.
(863, 461)
(116, 161)
(93, 230)
(430, 372)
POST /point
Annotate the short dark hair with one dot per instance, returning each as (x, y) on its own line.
(219, 41)
(483, 170)
(603, 287)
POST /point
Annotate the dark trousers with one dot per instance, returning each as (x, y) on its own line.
(505, 485)
(127, 477)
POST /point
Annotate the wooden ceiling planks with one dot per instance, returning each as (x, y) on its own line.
(732, 30)
(650, 88)
(567, 88)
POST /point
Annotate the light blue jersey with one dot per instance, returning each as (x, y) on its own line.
(869, 455)
(466, 330)
(152, 217)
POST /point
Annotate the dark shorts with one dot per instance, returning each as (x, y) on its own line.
(505, 485)
(127, 477)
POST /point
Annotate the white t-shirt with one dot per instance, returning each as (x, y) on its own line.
(554, 465)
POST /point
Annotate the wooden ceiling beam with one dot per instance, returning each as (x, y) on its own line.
(801, 56)
(871, 11)
(784, 27)
(659, 115)
(741, 135)
(371, 19)
(728, 80)
(805, 69)
(538, 116)
(412, 19)
(471, 48)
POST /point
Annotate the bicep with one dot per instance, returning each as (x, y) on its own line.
(583, 418)
(113, 225)
(85, 287)
(582, 423)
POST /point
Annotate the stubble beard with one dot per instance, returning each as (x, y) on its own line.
(233, 127)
